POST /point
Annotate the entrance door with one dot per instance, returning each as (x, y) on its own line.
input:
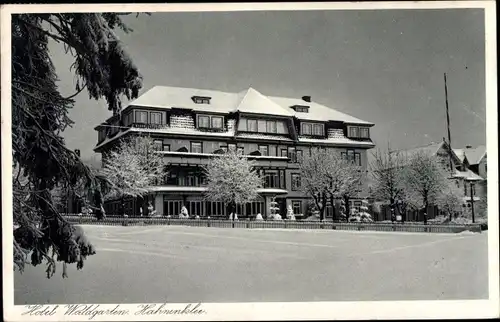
(282, 205)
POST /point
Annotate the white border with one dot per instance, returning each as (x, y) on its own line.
(272, 311)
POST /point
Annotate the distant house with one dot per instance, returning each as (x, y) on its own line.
(461, 171)
(476, 161)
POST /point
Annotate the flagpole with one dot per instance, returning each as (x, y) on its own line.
(448, 120)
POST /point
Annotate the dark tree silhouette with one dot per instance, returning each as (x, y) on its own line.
(39, 115)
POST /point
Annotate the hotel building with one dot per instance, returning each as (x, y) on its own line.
(189, 126)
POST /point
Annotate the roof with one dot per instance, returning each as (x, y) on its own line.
(467, 175)
(460, 154)
(431, 149)
(247, 101)
(474, 155)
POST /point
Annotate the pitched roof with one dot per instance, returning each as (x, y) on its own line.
(431, 149)
(317, 111)
(468, 175)
(249, 101)
(460, 154)
(475, 155)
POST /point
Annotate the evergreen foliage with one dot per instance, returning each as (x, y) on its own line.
(41, 160)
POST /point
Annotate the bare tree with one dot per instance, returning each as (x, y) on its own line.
(450, 200)
(132, 168)
(314, 182)
(232, 179)
(387, 174)
(424, 179)
(326, 175)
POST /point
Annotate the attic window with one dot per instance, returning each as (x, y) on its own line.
(201, 99)
(301, 108)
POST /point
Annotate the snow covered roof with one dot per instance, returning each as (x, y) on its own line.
(337, 140)
(467, 175)
(431, 149)
(317, 111)
(263, 136)
(247, 101)
(473, 155)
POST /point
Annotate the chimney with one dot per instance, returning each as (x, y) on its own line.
(468, 146)
(306, 99)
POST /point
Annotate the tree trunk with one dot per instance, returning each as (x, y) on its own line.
(426, 206)
(347, 208)
(393, 210)
(323, 206)
(123, 205)
(332, 203)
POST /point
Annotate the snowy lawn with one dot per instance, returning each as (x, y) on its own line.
(188, 264)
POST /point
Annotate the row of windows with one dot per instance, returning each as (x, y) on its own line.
(358, 132)
(292, 153)
(263, 126)
(315, 129)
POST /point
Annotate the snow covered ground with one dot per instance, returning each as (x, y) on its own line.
(189, 264)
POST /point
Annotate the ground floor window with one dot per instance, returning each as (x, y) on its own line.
(297, 207)
(172, 207)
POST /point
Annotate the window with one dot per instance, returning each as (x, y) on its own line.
(301, 109)
(318, 129)
(357, 159)
(297, 207)
(231, 147)
(284, 153)
(364, 132)
(465, 188)
(166, 147)
(158, 145)
(201, 99)
(473, 188)
(300, 155)
(207, 121)
(261, 126)
(295, 181)
(306, 128)
(196, 147)
(264, 149)
(273, 150)
(271, 126)
(141, 117)
(271, 180)
(217, 122)
(156, 118)
(280, 127)
(203, 121)
(291, 154)
(252, 125)
(353, 131)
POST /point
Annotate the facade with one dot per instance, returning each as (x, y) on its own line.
(475, 159)
(189, 126)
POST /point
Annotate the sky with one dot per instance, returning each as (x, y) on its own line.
(383, 66)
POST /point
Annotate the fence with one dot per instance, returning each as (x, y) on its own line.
(374, 226)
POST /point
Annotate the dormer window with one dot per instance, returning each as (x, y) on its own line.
(358, 132)
(210, 121)
(315, 129)
(301, 108)
(201, 99)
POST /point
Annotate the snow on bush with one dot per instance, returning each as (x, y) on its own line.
(259, 217)
(184, 213)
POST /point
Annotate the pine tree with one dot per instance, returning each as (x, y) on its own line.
(41, 159)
